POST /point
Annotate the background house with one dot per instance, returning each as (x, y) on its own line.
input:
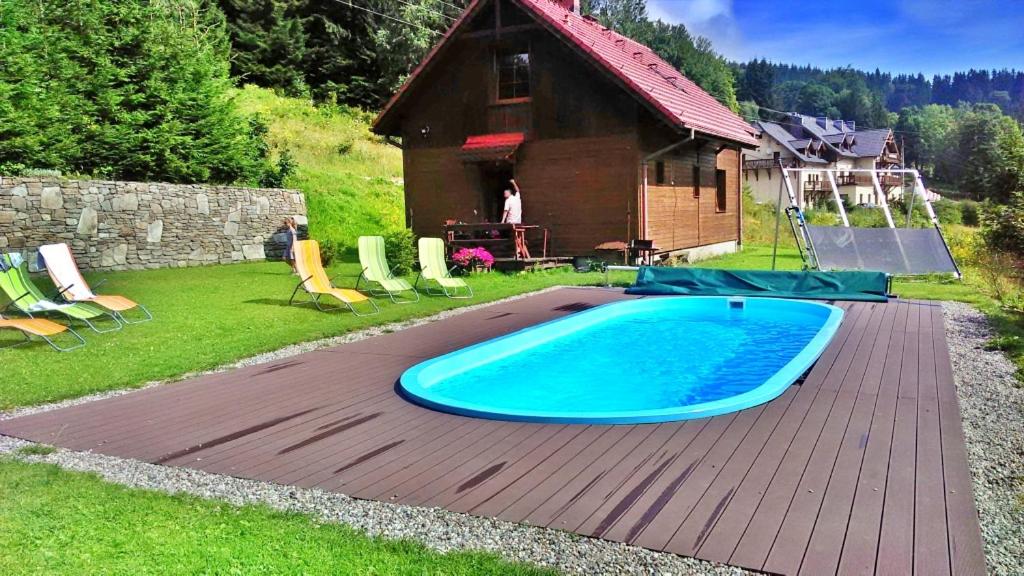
(607, 141)
(817, 142)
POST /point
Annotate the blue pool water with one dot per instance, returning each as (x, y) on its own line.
(647, 360)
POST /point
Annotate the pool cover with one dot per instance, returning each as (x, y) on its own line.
(664, 281)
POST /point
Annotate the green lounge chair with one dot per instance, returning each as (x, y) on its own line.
(375, 269)
(27, 298)
(433, 268)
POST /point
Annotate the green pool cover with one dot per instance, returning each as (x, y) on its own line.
(813, 285)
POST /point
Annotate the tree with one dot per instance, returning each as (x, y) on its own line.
(816, 100)
(990, 152)
(269, 42)
(756, 82)
(136, 90)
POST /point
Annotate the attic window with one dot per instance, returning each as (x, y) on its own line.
(513, 75)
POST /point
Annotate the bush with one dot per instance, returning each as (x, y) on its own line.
(1003, 226)
(329, 250)
(400, 246)
(864, 217)
(948, 212)
(970, 214)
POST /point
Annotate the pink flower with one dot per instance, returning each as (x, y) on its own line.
(471, 257)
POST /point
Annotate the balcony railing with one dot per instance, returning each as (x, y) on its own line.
(768, 164)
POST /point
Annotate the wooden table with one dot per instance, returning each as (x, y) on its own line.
(500, 234)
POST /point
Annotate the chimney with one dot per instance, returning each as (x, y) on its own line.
(840, 125)
(851, 125)
(823, 122)
(570, 5)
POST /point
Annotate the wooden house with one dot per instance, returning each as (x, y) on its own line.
(608, 142)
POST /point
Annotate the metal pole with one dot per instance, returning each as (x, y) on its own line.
(778, 218)
(838, 199)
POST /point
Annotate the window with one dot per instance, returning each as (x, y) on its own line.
(696, 181)
(659, 172)
(720, 191)
(513, 75)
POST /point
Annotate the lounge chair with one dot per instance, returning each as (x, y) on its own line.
(42, 328)
(433, 268)
(63, 270)
(316, 284)
(375, 269)
(26, 297)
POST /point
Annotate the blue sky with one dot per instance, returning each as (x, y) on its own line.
(938, 36)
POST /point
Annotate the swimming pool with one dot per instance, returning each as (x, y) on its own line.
(647, 360)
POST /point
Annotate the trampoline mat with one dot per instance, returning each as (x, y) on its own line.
(909, 251)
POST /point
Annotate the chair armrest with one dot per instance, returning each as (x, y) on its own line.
(61, 290)
(13, 301)
(98, 284)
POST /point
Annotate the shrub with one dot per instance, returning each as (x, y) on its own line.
(1003, 226)
(400, 246)
(864, 217)
(274, 176)
(948, 212)
(329, 250)
(969, 213)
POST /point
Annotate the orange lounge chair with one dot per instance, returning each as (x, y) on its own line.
(63, 270)
(45, 329)
(316, 284)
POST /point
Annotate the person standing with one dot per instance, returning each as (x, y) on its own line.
(513, 212)
(291, 236)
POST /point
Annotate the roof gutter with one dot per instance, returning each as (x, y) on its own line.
(643, 227)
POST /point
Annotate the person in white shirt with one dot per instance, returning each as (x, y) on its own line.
(513, 212)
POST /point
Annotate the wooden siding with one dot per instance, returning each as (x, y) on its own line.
(676, 219)
(859, 469)
(582, 189)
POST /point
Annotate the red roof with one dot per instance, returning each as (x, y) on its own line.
(489, 147)
(677, 99)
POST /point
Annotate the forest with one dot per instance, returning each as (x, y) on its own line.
(143, 90)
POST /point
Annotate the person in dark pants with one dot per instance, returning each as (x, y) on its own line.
(291, 235)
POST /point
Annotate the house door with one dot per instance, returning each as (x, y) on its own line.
(494, 180)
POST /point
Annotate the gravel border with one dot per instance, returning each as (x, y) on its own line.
(991, 406)
(992, 410)
(437, 528)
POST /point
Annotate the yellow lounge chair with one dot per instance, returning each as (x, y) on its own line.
(63, 270)
(316, 284)
(433, 268)
(42, 328)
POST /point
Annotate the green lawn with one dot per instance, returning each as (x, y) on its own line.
(58, 522)
(209, 316)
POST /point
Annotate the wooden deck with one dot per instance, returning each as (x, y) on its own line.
(859, 469)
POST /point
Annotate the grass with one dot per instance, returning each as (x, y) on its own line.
(36, 450)
(351, 178)
(73, 523)
(210, 316)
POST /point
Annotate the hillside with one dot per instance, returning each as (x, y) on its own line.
(351, 178)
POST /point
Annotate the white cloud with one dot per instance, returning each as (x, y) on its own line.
(713, 19)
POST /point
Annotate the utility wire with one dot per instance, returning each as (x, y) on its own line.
(388, 16)
(428, 10)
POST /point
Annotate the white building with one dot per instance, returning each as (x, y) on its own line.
(807, 142)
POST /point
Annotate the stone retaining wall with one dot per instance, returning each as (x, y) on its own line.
(133, 225)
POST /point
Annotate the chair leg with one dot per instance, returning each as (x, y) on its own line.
(117, 324)
(125, 320)
(81, 342)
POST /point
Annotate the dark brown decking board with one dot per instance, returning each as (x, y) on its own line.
(859, 469)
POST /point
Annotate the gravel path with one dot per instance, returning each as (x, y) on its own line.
(992, 407)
